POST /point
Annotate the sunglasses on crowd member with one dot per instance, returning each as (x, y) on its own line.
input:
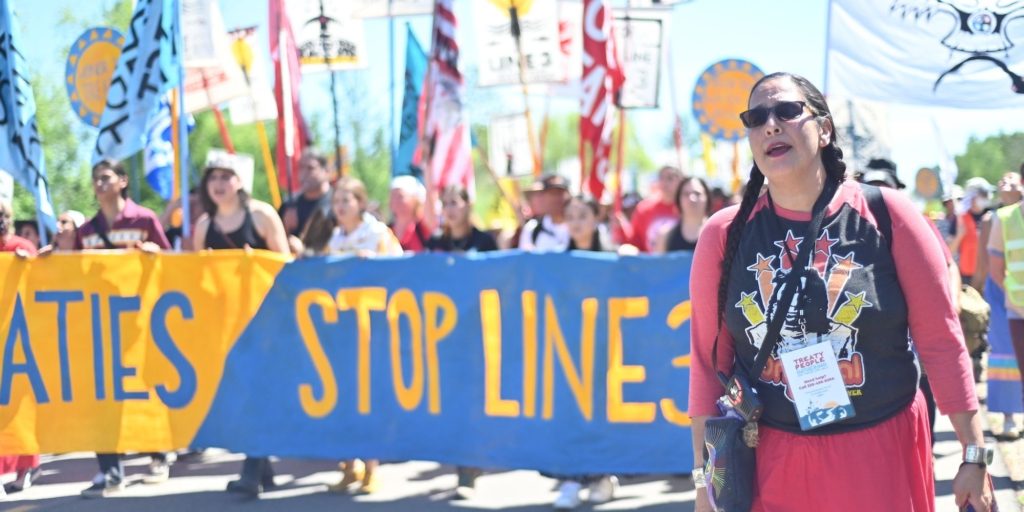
(783, 110)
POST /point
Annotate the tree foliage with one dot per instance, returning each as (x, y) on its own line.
(991, 157)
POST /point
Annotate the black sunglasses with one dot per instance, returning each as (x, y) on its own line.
(783, 110)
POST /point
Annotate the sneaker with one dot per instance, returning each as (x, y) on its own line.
(603, 490)
(568, 496)
(104, 489)
(159, 472)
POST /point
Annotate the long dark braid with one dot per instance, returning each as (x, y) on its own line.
(831, 159)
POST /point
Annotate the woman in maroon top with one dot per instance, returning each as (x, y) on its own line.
(860, 292)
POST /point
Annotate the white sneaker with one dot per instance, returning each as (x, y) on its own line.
(159, 472)
(603, 490)
(568, 495)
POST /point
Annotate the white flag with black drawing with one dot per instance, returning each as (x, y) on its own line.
(952, 53)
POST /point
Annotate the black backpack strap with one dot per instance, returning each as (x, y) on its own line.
(783, 296)
(102, 233)
(876, 203)
(538, 229)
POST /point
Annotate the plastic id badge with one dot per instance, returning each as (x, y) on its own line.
(816, 385)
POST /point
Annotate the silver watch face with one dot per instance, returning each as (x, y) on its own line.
(979, 454)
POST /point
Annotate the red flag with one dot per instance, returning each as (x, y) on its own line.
(292, 134)
(602, 79)
(446, 126)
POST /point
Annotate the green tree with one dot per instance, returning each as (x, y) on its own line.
(991, 157)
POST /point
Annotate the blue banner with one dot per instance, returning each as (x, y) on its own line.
(149, 66)
(415, 69)
(563, 363)
(21, 150)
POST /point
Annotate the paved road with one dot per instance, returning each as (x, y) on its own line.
(198, 486)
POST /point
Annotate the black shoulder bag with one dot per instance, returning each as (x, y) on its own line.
(729, 440)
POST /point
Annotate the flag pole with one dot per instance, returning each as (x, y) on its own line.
(186, 225)
(175, 143)
(677, 132)
(828, 45)
(391, 85)
(517, 33)
(222, 126)
(243, 54)
(325, 41)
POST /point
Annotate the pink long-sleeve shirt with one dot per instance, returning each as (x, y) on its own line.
(868, 297)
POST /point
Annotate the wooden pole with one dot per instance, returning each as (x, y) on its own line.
(517, 36)
(620, 160)
(268, 163)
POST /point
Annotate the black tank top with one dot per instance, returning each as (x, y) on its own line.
(246, 234)
(676, 242)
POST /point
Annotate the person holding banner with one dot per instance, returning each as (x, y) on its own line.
(350, 229)
(585, 232)
(843, 422)
(120, 224)
(411, 212)
(546, 231)
(9, 242)
(68, 223)
(458, 236)
(233, 220)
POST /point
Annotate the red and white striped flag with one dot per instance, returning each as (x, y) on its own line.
(292, 134)
(602, 78)
(446, 126)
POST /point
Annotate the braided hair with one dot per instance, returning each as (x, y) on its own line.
(831, 158)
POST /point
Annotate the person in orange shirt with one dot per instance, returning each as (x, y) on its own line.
(972, 212)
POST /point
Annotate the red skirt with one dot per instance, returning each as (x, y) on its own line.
(17, 463)
(884, 467)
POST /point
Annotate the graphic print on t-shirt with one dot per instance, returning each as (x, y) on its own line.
(823, 311)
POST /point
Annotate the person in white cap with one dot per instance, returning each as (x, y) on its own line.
(68, 223)
(232, 219)
(412, 213)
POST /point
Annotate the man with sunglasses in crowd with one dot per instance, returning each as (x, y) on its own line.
(120, 223)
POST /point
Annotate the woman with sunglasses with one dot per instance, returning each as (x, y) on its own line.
(864, 284)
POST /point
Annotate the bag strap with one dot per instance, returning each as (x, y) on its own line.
(876, 203)
(780, 304)
(101, 233)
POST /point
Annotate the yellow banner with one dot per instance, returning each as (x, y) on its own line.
(119, 350)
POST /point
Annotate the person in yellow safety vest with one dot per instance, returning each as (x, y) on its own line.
(1006, 267)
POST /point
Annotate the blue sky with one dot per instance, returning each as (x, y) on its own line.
(775, 35)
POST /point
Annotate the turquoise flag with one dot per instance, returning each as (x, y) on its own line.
(415, 69)
(21, 151)
(149, 66)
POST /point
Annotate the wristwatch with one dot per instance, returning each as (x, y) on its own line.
(978, 454)
(699, 479)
